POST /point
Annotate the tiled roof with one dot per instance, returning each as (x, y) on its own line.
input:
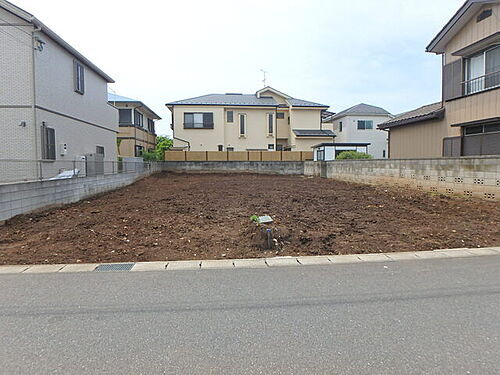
(243, 100)
(304, 103)
(360, 109)
(313, 133)
(428, 112)
(228, 99)
(113, 98)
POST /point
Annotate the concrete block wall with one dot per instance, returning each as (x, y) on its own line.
(266, 167)
(468, 177)
(25, 197)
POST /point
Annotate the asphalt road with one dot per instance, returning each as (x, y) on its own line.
(409, 317)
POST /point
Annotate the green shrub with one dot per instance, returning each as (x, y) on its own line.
(150, 156)
(353, 155)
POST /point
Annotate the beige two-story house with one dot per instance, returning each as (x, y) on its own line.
(268, 120)
(467, 120)
(137, 126)
(53, 101)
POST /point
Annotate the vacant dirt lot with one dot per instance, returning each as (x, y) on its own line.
(179, 216)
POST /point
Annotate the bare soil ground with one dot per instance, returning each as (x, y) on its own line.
(207, 216)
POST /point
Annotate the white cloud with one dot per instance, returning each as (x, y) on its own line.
(334, 52)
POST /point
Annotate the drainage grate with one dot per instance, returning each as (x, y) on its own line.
(114, 267)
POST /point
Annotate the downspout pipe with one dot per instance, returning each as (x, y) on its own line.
(173, 130)
(33, 75)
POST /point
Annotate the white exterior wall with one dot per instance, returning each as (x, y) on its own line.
(93, 121)
(16, 90)
(81, 121)
(378, 139)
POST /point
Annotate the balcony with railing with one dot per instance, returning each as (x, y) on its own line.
(482, 83)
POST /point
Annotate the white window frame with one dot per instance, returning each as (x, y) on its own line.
(270, 124)
(79, 77)
(244, 116)
(365, 121)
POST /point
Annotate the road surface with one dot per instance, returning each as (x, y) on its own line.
(407, 317)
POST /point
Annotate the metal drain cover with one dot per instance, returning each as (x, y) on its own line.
(114, 267)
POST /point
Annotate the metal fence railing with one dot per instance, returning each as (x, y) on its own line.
(12, 170)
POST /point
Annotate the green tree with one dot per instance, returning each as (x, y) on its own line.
(353, 155)
(162, 144)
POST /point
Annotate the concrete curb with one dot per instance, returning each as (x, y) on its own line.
(300, 261)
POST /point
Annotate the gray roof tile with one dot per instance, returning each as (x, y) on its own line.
(242, 100)
(360, 109)
(433, 111)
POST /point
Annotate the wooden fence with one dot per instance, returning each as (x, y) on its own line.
(238, 155)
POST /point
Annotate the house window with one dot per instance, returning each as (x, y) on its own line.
(79, 77)
(270, 124)
(280, 115)
(243, 119)
(270, 147)
(151, 125)
(230, 116)
(340, 126)
(365, 124)
(199, 120)
(99, 150)
(482, 71)
(230, 149)
(220, 148)
(138, 118)
(279, 147)
(320, 154)
(125, 116)
(48, 143)
(139, 150)
(383, 153)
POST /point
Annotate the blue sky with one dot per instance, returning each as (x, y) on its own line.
(334, 52)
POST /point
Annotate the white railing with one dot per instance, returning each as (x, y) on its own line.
(481, 83)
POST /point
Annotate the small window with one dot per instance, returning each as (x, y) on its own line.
(320, 154)
(270, 147)
(473, 130)
(199, 120)
(151, 125)
(340, 126)
(138, 119)
(270, 124)
(139, 150)
(242, 125)
(125, 116)
(484, 14)
(492, 128)
(230, 116)
(280, 115)
(230, 149)
(220, 147)
(48, 143)
(365, 124)
(279, 147)
(79, 77)
(99, 150)
(383, 153)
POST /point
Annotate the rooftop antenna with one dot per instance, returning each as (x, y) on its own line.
(264, 80)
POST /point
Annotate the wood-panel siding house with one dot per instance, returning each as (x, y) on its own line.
(467, 120)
